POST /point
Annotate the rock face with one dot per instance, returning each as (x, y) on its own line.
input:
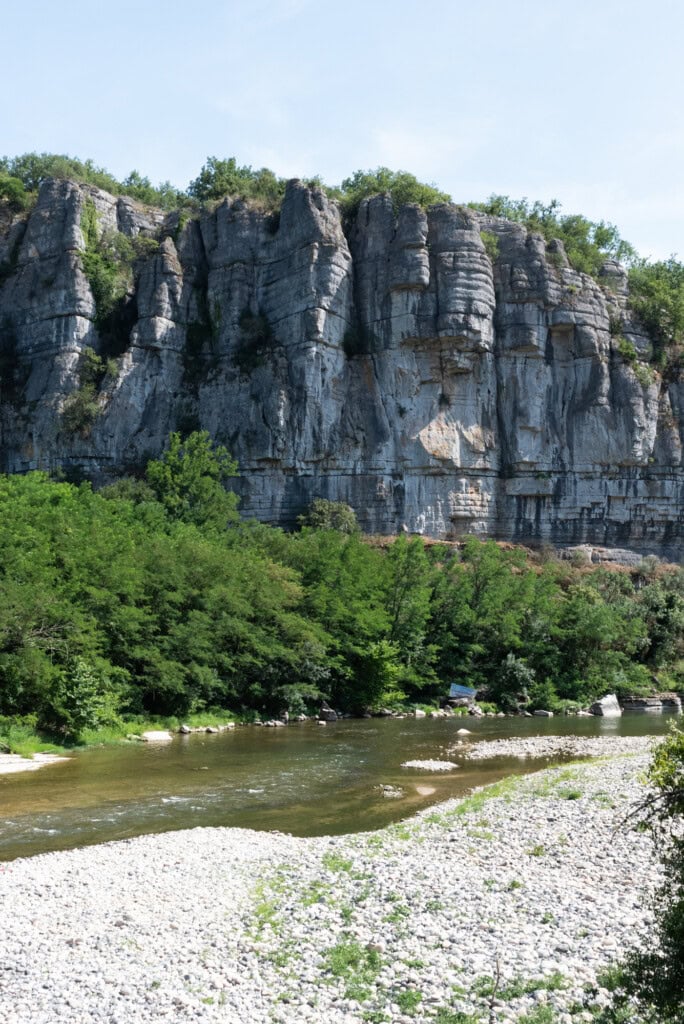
(661, 702)
(394, 366)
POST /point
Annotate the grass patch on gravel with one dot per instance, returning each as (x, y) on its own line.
(402, 831)
(434, 905)
(560, 784)
(540, 1015)
(445, 1015)
(265, 910)
(479, 833)
(604, 799)
(477, 800)
(315, 892)
(484, 986)
(336, 862)
(399, 913)
(357, 966)
(409, 1000)
(436, 819)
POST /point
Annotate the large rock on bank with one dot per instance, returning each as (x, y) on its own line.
(607, 707)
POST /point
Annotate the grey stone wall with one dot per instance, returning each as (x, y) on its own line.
(394, 367)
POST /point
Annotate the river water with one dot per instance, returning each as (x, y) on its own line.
(304, 779)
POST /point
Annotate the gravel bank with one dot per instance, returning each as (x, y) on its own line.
(245, 928)
(553, 746)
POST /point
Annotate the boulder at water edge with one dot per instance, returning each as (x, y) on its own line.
(607, 706)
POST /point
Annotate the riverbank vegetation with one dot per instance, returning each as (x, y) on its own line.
(152, 598)
(651, 976)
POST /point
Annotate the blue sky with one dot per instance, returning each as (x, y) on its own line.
(583, 102)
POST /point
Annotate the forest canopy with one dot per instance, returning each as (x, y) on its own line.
(151, 597)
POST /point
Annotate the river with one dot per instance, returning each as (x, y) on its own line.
(303, 779)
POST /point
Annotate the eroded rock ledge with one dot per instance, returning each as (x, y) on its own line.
(393, 366)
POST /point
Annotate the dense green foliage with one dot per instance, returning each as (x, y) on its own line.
(152, 597)
(657, 297)
(220, 178)
(188, 481)
(587, 243)
(330, 515)
(21, 176)
(654, 975)
(81, 408)
(401, 186)
(108, 262)
(13, 192)
(32, 169)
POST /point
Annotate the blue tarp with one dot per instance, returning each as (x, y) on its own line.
(461, 691)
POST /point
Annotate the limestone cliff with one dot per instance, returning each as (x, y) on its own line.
(394, 366)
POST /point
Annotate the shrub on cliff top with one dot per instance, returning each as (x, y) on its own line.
(13, 193)
(400, 185)
(657, 297)
(587, 243)
(32, 169)
(220, 178)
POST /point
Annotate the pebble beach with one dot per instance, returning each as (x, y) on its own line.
(536, 880)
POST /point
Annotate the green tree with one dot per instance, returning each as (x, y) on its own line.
(329, 515)
(516, 685)
(32, 169)
(165, 615)
(189, 480)
(661, 605)
(409, 587)
(83, 698)
(657, 296)
(542, 696)
(165, 195)
(595, 641)
(344, 592)
(220, 178)
(401, 186)
(13, 193)
(480, 613)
